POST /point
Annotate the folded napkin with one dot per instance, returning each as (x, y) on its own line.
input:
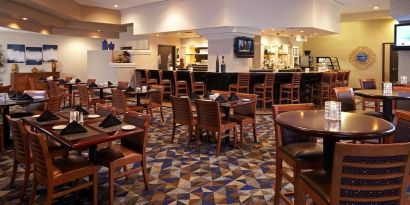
(109, 121)
(20, 114)
(93, 85)
(62, 81)
(233, 97)
(81, 109)
(109, 83)
(73, 128)
(25, 97)
(77, 80)
(129, 89)
(47, 116)
(16, 95)
(220, 99)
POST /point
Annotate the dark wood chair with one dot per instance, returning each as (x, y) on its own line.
(51, 173)
(361, 174)
(346, 79)
(22, 154)
(5, 89)
(75, 92)
(120, 103)
(155, 101)
(401, 104)
(345, 95)
(166, 83)
(182, 115)
(131, 150)
(369, 84)
(333, 84)
(265, 91)
(122, 85)
(242, 84)
(181, 86)
(85, 99)
(209, 119)
(290, 92)
(245, 115)
(196, 86)
(297, 151)
(150, 81)
(321, 92)
(32, 83)
(139, 79)
(54, 103)
(105, 110)
(340, 78)
(54, 89)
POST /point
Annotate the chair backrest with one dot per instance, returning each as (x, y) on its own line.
(370, 174)
(157, 97)
(54, 103)
(41, 156)
(269, 80)
(341, 75)
(119, 101)
(249, 109)
(122, 85)
(402, 104)
(345, 95)
(89, 81)
(402, 123)
(327, 77)
(147, 74)
(368, 83)
(296, 78)
(224, 94)
(160, 76)
(5, 89)
(20, 140)
(83, 94)
(52, 88)
(181, 110)
(32, 83)
(139, 80)
(192, 78)
(334, 78)
(104, 110)
(137, 143)
(243, 79)
(285, 136)
(347, 75)
(208, 113)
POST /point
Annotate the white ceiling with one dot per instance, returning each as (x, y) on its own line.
(359, 6)
(122, 4)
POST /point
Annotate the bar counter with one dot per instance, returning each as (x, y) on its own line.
(221, 81)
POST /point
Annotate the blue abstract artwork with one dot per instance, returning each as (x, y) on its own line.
(34, 55)
(15, 53)
(50, 53)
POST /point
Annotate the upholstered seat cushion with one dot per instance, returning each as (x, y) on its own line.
(242, 119)
(370, 113)
(70, 167)
(320, 182)
(116, 152)
(303, 150)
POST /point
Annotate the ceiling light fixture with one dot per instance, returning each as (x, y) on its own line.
(116, 6)
(178, 33)
(157, 35)
(302, 31)
(99, 30)
(315, 34)
(24, 18)
(376, 8)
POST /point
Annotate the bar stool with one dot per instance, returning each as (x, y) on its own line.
(265, 90)
(166, 83)
(195, 85)
(139, 80)
(242, 83)
(369, 84)
(150, 81)
(321, 91)
(181, 86)
(290, 92)
(346, 79)
(340, 78)
(333, 84)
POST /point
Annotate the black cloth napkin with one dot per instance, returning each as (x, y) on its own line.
(109, 121)
(16, 95)
(220, 99)
(129, 89)
(77, 80)
(81, 109)
(233, 97)
(47, 116)
(93, 85)
(20, 114)
(109, 83)
(25, 97)
(62, 81)
(73, 128)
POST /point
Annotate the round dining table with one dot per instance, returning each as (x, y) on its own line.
(351, 127)
(387, 99)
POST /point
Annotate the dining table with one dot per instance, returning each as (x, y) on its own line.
(387, 98)
(352, 126)
(101, 89)
(95, 135)
(141, 92)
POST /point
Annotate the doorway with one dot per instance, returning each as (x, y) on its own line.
(390, 71)
(166, 55)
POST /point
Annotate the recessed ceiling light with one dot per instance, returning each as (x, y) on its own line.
(315, 34)
(376, 8)
(99, 30)
(263, 31)
(273, 29)
(24, 18)
(302, 31)
(178, 33)
(116, 6)
(157, 35)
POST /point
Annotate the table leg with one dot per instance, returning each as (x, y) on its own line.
(227, 112)
(138, 100)
(92, 153)
(101, 93)
(6, 127)
(388, 110)
(328, 152)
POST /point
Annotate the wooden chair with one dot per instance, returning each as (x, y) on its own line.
(369, 84)
(224, 94)
(290, 92)
(181, 86)
(75, 92)
(150, 81)
(245, 115)
(361, 174)
(196, 86)
(22, 154)
(139, 80)
(182, 115)
(242, 83)
(5, 89)
(340, 78)
(32, 83)
(345, 95)
(265, 90)
(121, 104)
(122, 85)
(54, 103)
(85, 99)
(299, 152)
(155, 101)
(52, 173)
(401, 104)
(105, 110)
(346, 79)
(166, 83)
(321, 92)
(131, 150)
(209, 119)
(54, 90)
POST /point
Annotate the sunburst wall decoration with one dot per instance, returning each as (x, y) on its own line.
(362, 58)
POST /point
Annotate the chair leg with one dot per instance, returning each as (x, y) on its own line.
(25, 181)
(278, 181)
(162, 116)
(234, 137)
(111, 184)
(297, 192)
(218, 144)
(241, 134)
(197, 133)
(145, 174)
(254, 132)
(49, 196)
(95, 187)
(189, 137)
(33, 191)
(363, 104)
(13, 175)
(125, 168)
(173, 132)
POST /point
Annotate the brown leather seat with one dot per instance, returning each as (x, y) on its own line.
(304, 150)
(70, 166)
(116, 152)
(320, 182)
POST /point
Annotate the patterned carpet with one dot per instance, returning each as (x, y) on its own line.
(180, 174)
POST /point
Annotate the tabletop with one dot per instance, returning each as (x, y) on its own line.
(373, 93)
(95, 135)
(351, 126)
(22, 102)
(143, 92)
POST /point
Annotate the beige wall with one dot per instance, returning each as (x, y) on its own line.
(370, 33)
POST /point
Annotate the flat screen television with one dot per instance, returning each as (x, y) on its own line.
(244, 47)
(402, 37)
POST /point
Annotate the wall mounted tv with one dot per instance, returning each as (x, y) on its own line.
(402, 37)
(244, 47)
